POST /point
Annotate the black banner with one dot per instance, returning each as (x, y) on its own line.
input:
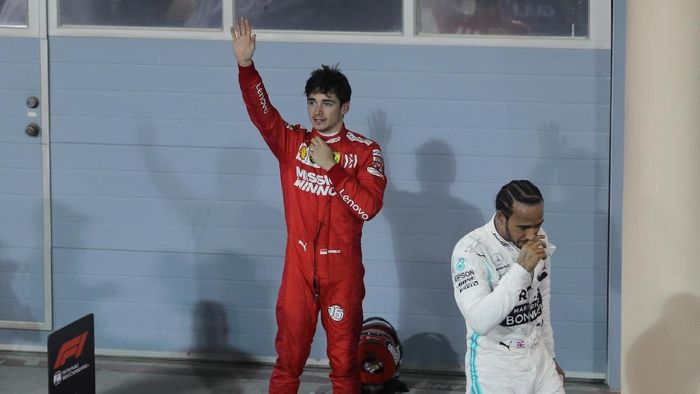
(72, 358)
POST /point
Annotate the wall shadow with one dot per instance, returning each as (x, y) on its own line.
(69, 268)
(425, 225)
(218, 309)
(564, 188)
(12, 307)
(665, 358)
(430, 348)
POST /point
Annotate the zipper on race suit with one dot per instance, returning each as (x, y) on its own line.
(316, 284)
(317, 295)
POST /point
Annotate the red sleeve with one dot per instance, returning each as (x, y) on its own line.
(263, 115)
(364, 193)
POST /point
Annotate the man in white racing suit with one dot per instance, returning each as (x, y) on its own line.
(500, 276)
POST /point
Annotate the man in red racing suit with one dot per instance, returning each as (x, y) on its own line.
(332, 182)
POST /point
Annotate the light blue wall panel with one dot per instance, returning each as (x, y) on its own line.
(21, 210)
(19, 51)
(19, 74)
(176, 159)
(167, 204)
(168, 185)
(22, 182)
(174, 132)
(19, 155)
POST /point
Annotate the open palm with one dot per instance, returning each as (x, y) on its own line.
(243, 42)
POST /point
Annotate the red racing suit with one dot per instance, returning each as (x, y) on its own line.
(325, 212)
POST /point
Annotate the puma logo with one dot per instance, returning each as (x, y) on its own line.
(303, 245)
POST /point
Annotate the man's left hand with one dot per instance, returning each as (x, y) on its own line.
(321, 153)
(559, 370)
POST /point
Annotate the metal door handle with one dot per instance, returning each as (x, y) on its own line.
(32, 129)
(32, 102)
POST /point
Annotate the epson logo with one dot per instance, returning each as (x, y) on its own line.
(353, 205)
(466, 274)
(261, 95)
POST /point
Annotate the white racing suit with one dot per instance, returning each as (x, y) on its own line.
(510, 346)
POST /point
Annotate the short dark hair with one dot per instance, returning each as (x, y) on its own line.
(329, 80)
(522, 191)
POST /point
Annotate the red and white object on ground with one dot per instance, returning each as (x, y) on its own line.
(379, 352)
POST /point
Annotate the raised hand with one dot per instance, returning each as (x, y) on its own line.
(243, 42)
(532, 252)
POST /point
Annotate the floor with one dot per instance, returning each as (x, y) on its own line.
(26, 373)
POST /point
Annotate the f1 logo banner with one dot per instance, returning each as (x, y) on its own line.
(72, 358)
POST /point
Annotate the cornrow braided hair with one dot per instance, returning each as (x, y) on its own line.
(522, 191)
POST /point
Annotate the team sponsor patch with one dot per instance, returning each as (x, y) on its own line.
(333, 140)
(378, 163)
(497, 258)
(465, 280)
(304, 155)
(353, 205)
(524, 313)
(517, 344)
(377, 157)
(313, 183)
(352, 137)
(303, 244)
(459, 265)
(375, 172)
(261, 96)
(349, 161)
(468, 274)
(329, 251)
(503, 243)
(336, 312)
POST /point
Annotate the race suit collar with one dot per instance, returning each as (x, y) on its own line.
(333, 137)
(491, 227)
